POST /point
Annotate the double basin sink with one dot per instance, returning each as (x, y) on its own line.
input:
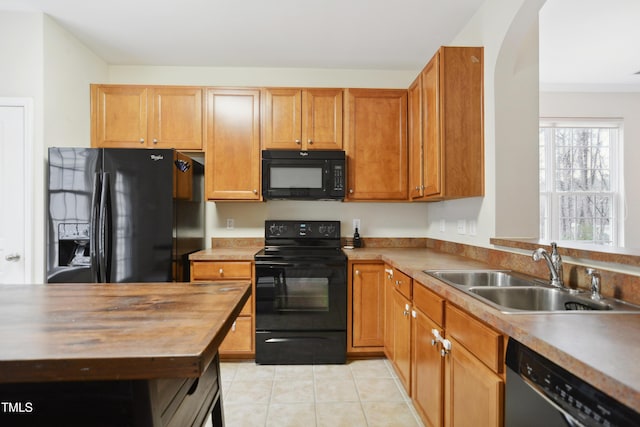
(512, 293)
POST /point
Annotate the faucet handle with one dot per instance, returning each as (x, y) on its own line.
(595, 283)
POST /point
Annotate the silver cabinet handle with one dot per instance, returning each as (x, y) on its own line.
(13, 257)
(446, 348)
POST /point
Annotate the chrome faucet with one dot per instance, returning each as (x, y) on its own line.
(554, 262)
(595, 284)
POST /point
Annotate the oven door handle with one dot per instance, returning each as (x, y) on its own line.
(321, 263)
(292, 339)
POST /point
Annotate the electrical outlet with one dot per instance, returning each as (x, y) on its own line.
(462, 226)
(230, 224)
(356, 224)
(473, 225)
(443, 225)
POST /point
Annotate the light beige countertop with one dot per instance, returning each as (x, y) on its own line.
(225, 254)
(601, 348)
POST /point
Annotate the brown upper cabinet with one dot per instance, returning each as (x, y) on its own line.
(303, 119)
(129, 116)
(446, 126)
(232, 157)
(376, 132)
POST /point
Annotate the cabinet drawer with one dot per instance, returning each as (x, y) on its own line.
(429, 303)
(402, 283)
(180, 400)
(240, 337)
(220, 270)
(198, 399)
(485, 343)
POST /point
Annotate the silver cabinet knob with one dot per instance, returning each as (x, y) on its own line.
(255, 191)
(221, 271)
(155, 140)
(351, 191)
(141, 140)
(310, 141)
(13, 257)
(298, 142)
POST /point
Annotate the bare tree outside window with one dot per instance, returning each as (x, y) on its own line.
(578, 181)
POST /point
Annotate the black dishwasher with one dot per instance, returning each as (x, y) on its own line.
(541, 393)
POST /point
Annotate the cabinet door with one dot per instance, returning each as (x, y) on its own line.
(283, 119)
(368, 305)
(402, 338)
(175, 118)
(388, 312)
(233, 145)
(376, 128)
(474, 394)
(431, 127)
(322, 119)
(427, 371)
(240, 337)
(416, 184)
(118, 116)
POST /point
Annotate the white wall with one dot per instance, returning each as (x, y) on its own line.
(257, 77)
(45, 63)
(608, 105)
(508, 31)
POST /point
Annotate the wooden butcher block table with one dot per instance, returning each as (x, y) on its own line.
(143, 354)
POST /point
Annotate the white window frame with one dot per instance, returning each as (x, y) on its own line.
(549, 198)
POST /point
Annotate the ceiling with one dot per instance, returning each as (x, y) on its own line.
(590, 45)
(353, 34)
(583, 43)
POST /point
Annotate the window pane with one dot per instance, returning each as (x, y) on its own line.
(578, 203)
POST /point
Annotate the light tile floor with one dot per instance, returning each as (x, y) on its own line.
(359, 393)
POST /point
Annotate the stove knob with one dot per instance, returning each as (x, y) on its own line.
(322, 228)
(331, 229)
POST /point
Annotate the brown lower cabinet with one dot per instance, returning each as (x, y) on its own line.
(398, 321)
(455, 375)
(240, 341)
(365, 313)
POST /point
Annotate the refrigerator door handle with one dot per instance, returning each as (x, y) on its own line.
(95, 215)
(104, 229)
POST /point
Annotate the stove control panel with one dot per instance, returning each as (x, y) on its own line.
(302, 229)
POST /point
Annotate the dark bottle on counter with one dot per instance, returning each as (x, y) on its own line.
(357, 242)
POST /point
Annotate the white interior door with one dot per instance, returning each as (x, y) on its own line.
(15, 186)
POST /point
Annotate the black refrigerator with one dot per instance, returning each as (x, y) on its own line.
(123, 215)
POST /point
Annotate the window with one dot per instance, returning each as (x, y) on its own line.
(579, 180)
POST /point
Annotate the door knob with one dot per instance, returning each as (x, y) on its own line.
(13, 257)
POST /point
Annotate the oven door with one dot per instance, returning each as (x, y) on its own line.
(301, 296)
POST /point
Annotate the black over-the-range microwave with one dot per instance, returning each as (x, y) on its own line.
(303, 175)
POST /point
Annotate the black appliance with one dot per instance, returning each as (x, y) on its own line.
(303, 175)
(123, 215)
(541, 393)
(301, 294)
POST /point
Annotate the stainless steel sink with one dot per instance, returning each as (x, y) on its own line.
(538, 299)
(467, 278)
(513, 293)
